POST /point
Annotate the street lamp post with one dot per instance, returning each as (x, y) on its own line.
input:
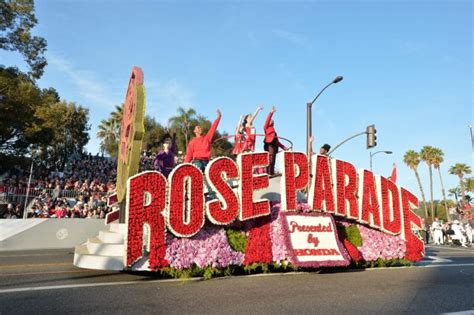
(309, 118)
(25, 214)
(372, 154)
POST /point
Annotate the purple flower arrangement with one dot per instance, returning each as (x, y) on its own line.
(377, 244)
(279, 249)
(207, 248)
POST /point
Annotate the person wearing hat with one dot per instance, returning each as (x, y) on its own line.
(324, 150)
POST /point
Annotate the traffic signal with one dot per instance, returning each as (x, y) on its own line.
(371, 137)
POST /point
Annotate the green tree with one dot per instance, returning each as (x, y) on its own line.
(460, 169)
(155, 134)
(221, 145)
(183, 122)
(68, 125)
(438, 158)
(17, 19)
(412, 160)
(427, 154)
(19, 99)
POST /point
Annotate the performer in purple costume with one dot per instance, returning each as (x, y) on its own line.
(165, 160)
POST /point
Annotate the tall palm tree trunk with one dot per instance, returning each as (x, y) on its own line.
(463, 192)
(444, 194)
(431, 191)
(422, 192)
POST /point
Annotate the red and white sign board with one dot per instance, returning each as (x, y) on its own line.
(312, 240)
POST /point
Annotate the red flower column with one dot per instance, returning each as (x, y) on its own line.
(259, 244)
(415, 247)
(146, 200)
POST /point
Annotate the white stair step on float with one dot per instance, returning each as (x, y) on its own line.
(111, 237)
(96, 247)
(84, 259)
(118, 228)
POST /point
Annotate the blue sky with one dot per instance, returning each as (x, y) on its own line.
(407, 68)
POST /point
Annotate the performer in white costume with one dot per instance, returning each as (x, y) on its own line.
(437, 232)
(458, 233)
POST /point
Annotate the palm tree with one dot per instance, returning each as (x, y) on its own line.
(454, 192)
(182, 121)
(109, 131)
(117, 115)
(412, 160)
(460, 170)
(470, 184)
(108, 134)
(426, 155)
(438, 158)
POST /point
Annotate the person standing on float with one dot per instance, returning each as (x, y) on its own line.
(324, 150)
(239, 137)
(271, 142)
(165, 160)
(199, 148)
(250, 134)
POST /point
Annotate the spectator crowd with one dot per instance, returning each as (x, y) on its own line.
(78, 192)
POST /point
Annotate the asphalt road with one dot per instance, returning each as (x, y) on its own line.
(46, 282)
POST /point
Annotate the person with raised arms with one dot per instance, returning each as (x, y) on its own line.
(249, 129)
(199, 148)
(271, 142)
(239, 137)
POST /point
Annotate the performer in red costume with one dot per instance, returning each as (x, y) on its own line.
(199, 148)
(250, 130)
(239, 137)
(271, 142)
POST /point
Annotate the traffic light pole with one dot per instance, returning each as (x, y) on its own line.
(372, 154)
(356, 135)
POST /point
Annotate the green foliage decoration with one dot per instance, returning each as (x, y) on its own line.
(353, 235)
(237, 240)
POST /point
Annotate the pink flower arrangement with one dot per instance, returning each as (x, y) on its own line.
(207, 248)
(277, 237)
(377, 244)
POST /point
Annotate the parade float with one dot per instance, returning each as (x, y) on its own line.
(319, 213)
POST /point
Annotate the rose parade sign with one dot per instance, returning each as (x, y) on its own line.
(350, 215)
(131, 131)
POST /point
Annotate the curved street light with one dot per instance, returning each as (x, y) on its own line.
(372, 154)
(309, 116)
